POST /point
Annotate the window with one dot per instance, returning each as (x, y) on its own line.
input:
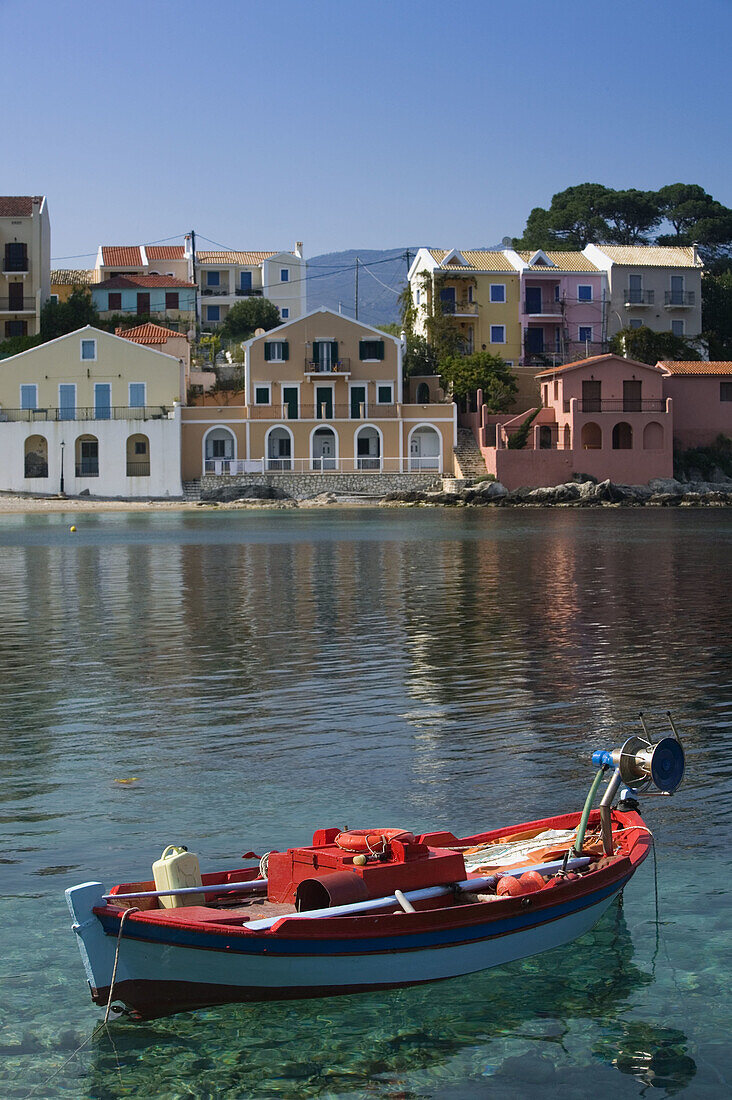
(284, 313)
(470, 294)
(635, 289)
(213, 278)
(677, 290)
(213, 313)
(143, 303)
(556, 293)
(137, 395)
(591, 396)
(498, 334)
(284, 275)
(16, 328)
(635, 323)
(88, 349)
(261, 395)
(585, 334)
(16, 256)
(114, 300)
(419, 297)
(677, 327)
(140, 447)
(584, 293)
(102, 400)
(53, 298)
(385, 394)
(371, 350)
(171, 299)
(498, 292)
(276, 351)
(67, 401)
(725, 391)
(245, 281)
(29, 397)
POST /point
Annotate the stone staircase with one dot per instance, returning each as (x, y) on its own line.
(192, 490)
(468, 456)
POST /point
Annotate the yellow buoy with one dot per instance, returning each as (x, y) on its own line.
(72, 527)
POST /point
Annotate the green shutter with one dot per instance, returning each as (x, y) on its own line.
(285, 350)
(267, 353)
(380, 349)
(334, 352)
(315, 351)
(362, 349)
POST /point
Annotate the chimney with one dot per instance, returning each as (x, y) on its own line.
(298, 249)
(695, 253)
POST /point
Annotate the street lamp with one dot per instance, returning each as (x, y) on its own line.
(61, 486)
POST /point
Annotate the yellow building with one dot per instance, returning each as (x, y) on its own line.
(65, 280)
(321, 393)
(25, 252)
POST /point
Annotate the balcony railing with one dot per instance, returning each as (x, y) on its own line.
(546, 306)
(629, 404)
(16, 267)
(679, 298)
(316, 412)
(88, 467)
(215, 292)
(251, 293)
(639, 297)
(466, 309)
(340, 366)
(138, 469)
(116, 412)
(17, 305)
(283, 464)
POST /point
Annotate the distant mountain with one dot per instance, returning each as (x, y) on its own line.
(382, 274)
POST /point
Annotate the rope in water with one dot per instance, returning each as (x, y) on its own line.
(125, 915)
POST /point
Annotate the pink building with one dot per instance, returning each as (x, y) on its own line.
(606, 416)
(702, 397)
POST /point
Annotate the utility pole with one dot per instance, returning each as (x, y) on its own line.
(193, 262)
(408, 257)
(356, 287)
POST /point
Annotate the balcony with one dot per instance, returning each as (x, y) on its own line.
(460, 309)
(628, 405)
(15, 265)
(638, 298)
(251, 293)
(315, 412)
(117, 412)
(17, 305)
(546, 308)
(215, 292)
(679, 299)
(341, 366)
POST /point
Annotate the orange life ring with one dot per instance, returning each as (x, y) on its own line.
(372, 841)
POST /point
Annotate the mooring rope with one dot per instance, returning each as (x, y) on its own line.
(125, 915)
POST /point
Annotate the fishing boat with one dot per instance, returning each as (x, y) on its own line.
(369, 909)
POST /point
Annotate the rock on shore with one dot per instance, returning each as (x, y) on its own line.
(660, 492)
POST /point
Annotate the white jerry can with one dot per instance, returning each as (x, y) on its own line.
(176, 869)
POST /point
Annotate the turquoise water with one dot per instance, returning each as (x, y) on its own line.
(264, 673)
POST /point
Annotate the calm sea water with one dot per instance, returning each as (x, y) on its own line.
(264, 673)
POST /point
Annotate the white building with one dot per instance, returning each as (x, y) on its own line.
(225, 278)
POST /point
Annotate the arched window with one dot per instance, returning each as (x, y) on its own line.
(591, 437)
(424, 448)
(368, 448)
(423, 394)
(36, 456)
(622, 436)
(323, 449)
(87, 456)
(138, 456)
(278, 448)
(653, 437)
(219, 448)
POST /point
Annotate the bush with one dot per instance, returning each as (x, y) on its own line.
(518, 439)
(704, 460)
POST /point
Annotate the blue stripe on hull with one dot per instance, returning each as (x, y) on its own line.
(271, 944)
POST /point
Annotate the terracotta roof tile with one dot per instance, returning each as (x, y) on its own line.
(18, 206)
(129, 282)
(232, 257)
(165, 251)
(587, 362)
(641, 255)
(690, 367)
(71, 277)
(477, 260)
(148, 334)
(127, 255)
(563, 261)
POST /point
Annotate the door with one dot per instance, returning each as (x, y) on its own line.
(102, 400)
(358, 402)
(324, 402)
(15, 301)
(635, 289)
(533, 299)
(324, 450)
(245, 282)
(289, 400)
(325, 355)
(591, 399)
(632, 396)
(677, 290)
(143, 303)
(67, 402)
(447, 299)
(89, 453)
(535, 341)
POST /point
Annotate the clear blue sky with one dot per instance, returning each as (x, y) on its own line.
(351, 124)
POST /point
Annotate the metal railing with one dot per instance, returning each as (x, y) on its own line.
(639, 297)
(340, 366)
(35, 468)
(251, 293)
(218, 292)
(115, 412)
(628, 404)
(17, 305)
(283, 464)
(138, 469)
(467, 309)
(88, 467)
(323, 411)
(679, 298)
(547, 305)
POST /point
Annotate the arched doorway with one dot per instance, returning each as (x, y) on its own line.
(653, 437)
(87, 456)
(138, 456)
(591, 437)
(36, 456)
(219, 449)
(323, 449)
(545, 437)
(368, 448)
(278, 448)
(424, 448)
(567, 438)
(622, 436)
(423, 394)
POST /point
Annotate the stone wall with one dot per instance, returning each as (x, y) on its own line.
(303, 486)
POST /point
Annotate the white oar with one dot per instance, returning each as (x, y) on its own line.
(221, 888)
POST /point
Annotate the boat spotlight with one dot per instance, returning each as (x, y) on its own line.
(642, 764)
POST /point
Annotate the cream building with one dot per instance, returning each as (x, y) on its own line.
(322, 393)
(25, 250)
(91, 411)
(225, 278)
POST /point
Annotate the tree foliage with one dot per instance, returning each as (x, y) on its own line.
(58, 318)
(244, 318)
(15, 344)
(465, 374)
(646, 346)
(420, 357)
(717, 313)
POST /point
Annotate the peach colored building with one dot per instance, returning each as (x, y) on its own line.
(25, 252)
(166, 340)
(321, 393)
(702, 397)
(606, 416)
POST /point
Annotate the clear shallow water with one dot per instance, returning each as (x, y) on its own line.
(264, 673)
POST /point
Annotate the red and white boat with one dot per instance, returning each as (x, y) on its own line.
(372, 909)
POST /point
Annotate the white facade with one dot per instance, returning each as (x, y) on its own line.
(225, 278)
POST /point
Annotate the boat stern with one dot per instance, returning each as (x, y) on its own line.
(95, 947)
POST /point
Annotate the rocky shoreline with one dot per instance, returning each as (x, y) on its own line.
(659, 493)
